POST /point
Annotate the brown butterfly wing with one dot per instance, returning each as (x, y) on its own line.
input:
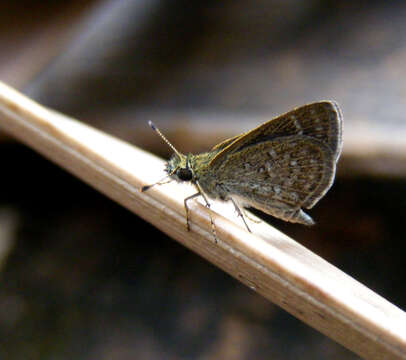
(225, 143)
(321, 120)
(294, 170)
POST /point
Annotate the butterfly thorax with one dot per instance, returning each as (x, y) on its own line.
(189, 167)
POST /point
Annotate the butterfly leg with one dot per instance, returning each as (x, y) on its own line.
(187, 207)
(256, 221)
(240, 213)
(213, 227)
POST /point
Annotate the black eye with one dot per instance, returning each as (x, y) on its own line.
(184, 174)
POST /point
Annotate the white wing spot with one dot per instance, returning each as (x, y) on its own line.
(268, 166)
(297, 124)
(289, 182)
(272, 153)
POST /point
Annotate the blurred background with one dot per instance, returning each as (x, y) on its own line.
(82, 278)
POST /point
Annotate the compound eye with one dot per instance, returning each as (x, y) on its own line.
(184, 174)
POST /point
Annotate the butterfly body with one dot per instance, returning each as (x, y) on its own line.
(280, 167)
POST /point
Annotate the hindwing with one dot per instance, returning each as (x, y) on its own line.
(295, 170)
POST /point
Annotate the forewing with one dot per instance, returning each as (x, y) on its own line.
(294, 170)
(321, 120)
(225, 143)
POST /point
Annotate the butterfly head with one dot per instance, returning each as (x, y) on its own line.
(178, 168)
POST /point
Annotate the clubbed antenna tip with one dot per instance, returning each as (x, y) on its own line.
(146, 187)
(150, 123)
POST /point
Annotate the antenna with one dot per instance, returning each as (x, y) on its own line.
(160, 182)
(150, 123)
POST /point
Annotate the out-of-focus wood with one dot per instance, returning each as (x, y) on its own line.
(32, 35)
(267, 261)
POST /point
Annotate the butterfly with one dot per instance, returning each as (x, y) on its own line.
(280, 167)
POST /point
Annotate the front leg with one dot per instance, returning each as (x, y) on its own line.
(213, 228)
(187, 208)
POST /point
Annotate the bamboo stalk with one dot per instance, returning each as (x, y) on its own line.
(267, 261)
